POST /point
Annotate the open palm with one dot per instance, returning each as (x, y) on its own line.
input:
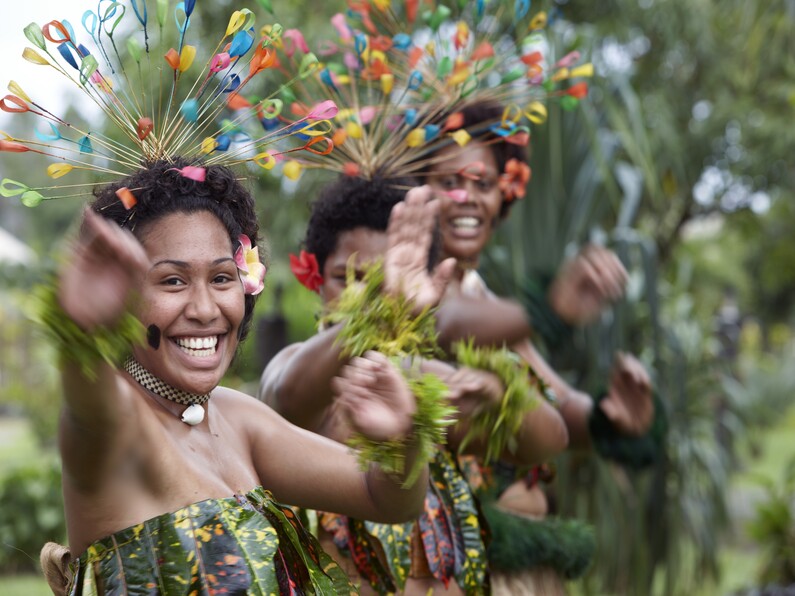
(100, 272)
(375, 399)
(629, 404)
(410, 234)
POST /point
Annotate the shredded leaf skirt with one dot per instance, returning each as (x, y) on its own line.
(246, 544)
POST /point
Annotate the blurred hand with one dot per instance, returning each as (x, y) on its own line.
(372, 394)
(410, 233)
(587, 284)
(629, 404)
(98, 275)
(470, 389)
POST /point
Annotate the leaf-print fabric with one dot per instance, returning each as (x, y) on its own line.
(450, 530)
(246, 544)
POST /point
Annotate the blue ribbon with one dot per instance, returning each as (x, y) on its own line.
(521, 8)
(402, 41)
(241, 43)
(141, 18)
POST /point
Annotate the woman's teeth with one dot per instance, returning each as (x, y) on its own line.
(198, 346)
(466, 222)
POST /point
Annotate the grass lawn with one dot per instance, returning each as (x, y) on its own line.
(740, 556)
(27, 585)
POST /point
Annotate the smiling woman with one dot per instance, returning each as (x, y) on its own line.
(178, 478)
(193, 296)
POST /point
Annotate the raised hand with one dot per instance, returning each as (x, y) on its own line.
(629, 405)
(587, 284)
(410, 234)
(97, 277)
(470, 389)
(372, 394)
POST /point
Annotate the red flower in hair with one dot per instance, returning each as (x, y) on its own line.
(514, 181)
(306, 270)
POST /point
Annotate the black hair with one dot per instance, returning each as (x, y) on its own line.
(350, 202)
(161, 190)
(486, 113)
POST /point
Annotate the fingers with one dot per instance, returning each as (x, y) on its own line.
(412, 220)
(419, 195)
(629, 404)
(443, 274)
(107, 239)
(631, 371)
(609, 274)
(363, 373)
(611, 408)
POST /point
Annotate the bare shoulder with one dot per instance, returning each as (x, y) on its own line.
(270, 376)
(244, 411)
(234, 400)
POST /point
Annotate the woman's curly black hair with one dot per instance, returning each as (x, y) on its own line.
(161, 190)
(349, 203)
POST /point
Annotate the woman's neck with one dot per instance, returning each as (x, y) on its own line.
(464, 265)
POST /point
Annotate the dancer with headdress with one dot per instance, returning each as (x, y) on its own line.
(171, 481)
(350, 231)
(413, 97)
(388, 128)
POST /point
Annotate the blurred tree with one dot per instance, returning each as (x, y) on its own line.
(701, 94)
(688, 119)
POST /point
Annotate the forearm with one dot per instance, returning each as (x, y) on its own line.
(542, 436)
(392, 503)
(332, 477)
(297, 384)
(576, 408)
(87, 359)
(490, 321)
(95, 413)
(91, 404)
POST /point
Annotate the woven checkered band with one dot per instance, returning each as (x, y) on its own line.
(148, 381)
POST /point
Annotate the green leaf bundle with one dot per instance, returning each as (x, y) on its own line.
(500, 423)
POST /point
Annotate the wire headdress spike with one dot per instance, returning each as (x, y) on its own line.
(401, 70)
(155, 107)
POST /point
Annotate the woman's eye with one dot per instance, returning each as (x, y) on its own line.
(222, 279)
(449, 182)
(173, 281)
(485, 184)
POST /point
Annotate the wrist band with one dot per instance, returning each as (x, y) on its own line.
(500, 423)
(387, 324)
(632, 452)
(84, 349)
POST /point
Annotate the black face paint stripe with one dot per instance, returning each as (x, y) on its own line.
(153, 336)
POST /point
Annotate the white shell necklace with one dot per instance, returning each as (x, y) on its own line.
(192, 415)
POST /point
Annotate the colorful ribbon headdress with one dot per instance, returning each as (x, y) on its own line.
(401, 71)
(161, 98)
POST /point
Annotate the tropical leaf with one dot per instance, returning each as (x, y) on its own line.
(395, 540)
(437, 538)
(458, 500)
